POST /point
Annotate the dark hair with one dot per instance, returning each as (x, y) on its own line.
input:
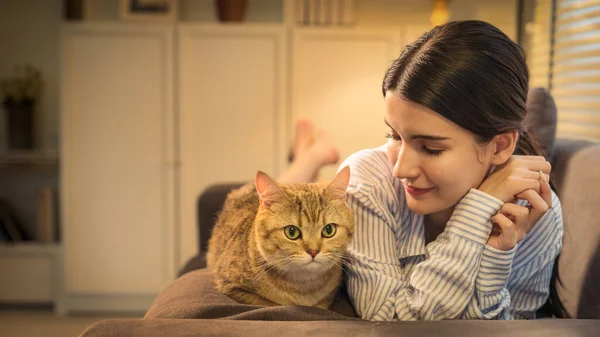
(475, 76)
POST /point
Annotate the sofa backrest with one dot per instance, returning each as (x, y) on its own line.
(578, 185)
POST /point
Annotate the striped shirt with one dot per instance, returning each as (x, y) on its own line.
(393, 275)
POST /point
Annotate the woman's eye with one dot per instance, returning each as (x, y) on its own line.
(329, 230)
(292, 232)
(390, 135)
(431, 151)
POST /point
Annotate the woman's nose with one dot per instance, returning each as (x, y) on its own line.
(406, 165)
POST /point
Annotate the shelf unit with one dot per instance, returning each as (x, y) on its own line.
(33, 273)
(29, 159)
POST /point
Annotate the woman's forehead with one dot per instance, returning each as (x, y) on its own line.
(411, 118)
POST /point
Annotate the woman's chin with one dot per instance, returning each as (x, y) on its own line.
(422, 207)
(418, 207)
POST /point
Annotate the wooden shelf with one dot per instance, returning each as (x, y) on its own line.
(28, 248)
(28, 159)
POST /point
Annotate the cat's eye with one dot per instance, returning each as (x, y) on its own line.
(329, 230)
(292, 232)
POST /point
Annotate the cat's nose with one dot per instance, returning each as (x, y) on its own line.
(313, 253)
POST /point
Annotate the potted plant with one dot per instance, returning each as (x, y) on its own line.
(19, 95)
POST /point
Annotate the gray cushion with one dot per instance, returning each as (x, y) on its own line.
(541, 119)
(580, 199)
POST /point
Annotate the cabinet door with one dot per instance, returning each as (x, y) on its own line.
(336, 82)
(232, 111)
(117, 163)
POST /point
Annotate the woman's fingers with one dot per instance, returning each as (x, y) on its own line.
(522, 177)
(533, 163)
(506, 225)
(538, 206)
(521, 184)
(534, 175)
(506, 235)
(546, 192)
(529, 157)
(519, 213)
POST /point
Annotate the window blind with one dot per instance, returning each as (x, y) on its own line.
(539, 55)
(567, 36)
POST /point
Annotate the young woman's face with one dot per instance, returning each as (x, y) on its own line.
(437, 160)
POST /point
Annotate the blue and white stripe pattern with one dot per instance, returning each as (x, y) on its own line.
(392, 275)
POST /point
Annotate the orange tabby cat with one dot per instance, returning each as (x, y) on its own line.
(280, 244)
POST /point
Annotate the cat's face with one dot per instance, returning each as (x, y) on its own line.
(304, 227)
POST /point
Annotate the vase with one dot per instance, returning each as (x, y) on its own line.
(231, 10)
(73, 10)
(19, 125)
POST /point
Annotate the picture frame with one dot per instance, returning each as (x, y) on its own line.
(165, 11)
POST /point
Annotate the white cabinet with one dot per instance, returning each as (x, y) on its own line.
(336, 81)
(117, 162)
(232, 111)
(136, 154)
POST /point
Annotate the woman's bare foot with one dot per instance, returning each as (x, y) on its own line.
(310, 154)
(303, 136)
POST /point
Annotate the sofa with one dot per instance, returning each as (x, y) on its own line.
(191, 306)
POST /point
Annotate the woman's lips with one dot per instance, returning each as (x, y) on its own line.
(416, 191)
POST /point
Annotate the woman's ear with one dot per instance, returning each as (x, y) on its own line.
(504, 146)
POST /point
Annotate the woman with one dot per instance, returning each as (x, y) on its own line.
(455, 217)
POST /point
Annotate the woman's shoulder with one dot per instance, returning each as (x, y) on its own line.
(369, 167)
(372, 181)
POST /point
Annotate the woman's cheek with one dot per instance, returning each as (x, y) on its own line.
(392, 152)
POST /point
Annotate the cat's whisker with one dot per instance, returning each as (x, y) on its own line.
(339, 264)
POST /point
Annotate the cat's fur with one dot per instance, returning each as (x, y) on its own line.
(254, 262)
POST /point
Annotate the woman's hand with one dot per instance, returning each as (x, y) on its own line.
(517, 175)
(513, 222)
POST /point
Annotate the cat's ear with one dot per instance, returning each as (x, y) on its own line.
(337, 187)
(268, 190)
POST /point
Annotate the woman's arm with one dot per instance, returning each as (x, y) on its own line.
(514, 284)
(440, 287)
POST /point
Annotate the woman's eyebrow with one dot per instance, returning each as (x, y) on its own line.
(426, 137)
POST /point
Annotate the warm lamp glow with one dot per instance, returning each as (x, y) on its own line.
(439, 13)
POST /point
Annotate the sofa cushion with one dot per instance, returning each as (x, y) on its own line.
(193, 295)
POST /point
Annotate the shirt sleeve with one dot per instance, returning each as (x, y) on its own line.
(442, 286)
(514, 284)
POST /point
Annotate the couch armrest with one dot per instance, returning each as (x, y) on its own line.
(575, 170)
(257, 328)
(209, 204)
(564, 150)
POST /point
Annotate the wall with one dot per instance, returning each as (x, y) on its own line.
(501, 13)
